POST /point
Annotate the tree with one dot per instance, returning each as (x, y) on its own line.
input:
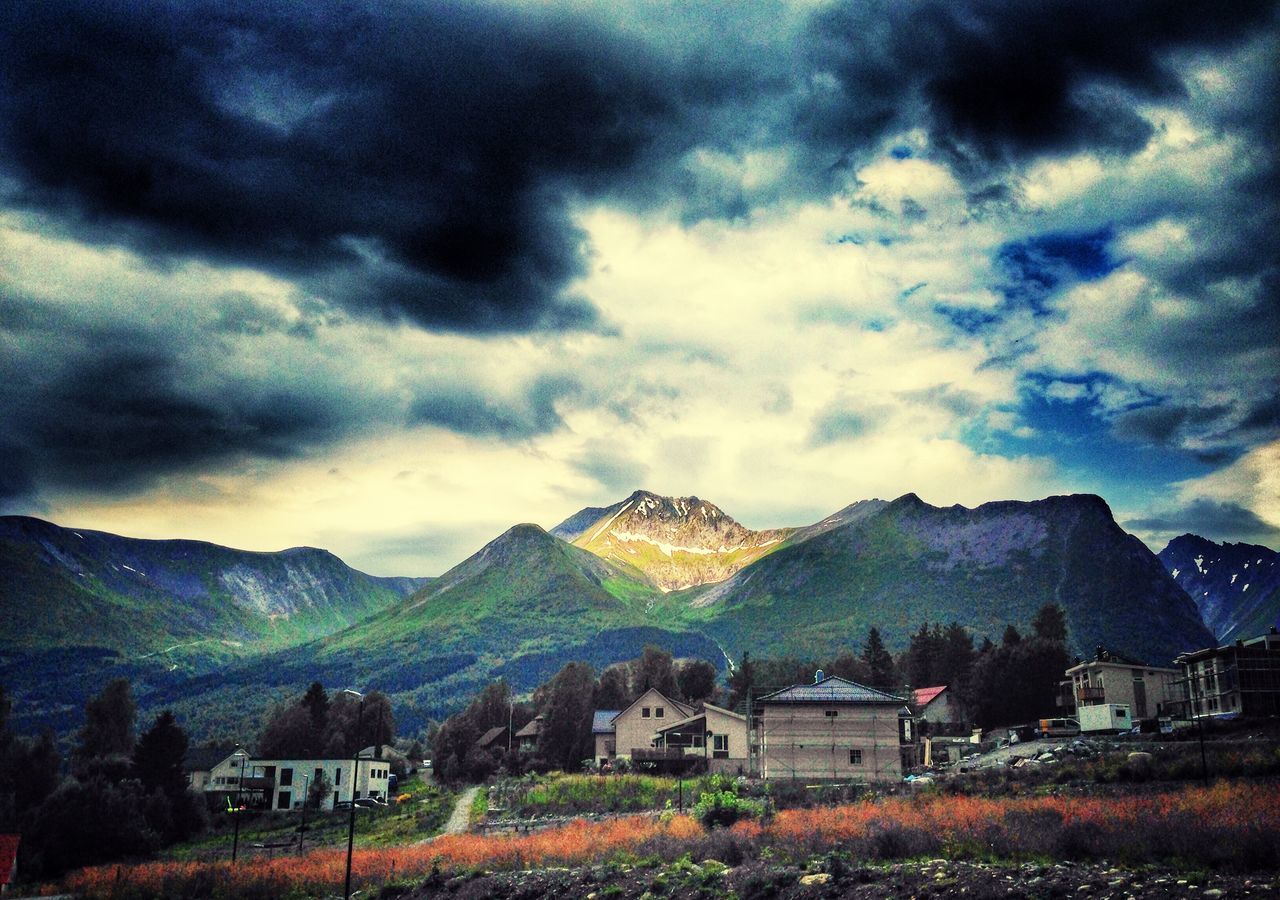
(1010, 636)
(696, 680)
(319, 790)
(157, 759)
(878, 661)
(611, 690)
(923, 657)
(654, 669)
(109, 724)
(289, 734)
(849, 666)
(741, 681)
(565, 739)
(1050, 624)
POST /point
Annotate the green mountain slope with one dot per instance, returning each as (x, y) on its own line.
(908, 562)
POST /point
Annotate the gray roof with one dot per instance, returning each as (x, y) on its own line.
(602, 721)
(832, 689)
(492, 735)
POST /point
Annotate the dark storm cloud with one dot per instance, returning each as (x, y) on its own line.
(468, 410)
(1211, 519)
(998, 81)
(417, 158)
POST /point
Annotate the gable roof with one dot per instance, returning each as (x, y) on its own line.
(832, 689)
(8, 856)
(202, 759)
(924, 696)
(602, 721)
(683, 708)
(701, 714)
(532, 729)
(491, 735)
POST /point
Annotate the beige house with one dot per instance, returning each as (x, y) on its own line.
(618, 734)
(833, 729)
(278, 784)
(1112, 679)
(715, 735)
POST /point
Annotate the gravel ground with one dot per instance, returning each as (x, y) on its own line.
(917, 879)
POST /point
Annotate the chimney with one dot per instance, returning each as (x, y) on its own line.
(817, 676)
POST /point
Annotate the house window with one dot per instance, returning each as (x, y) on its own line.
(855, 756)
(283, 800)
(720, 746)
(831, 713)
(337, 776)
(319, 775)
(645, 712)
(286, 778)
(660, 712)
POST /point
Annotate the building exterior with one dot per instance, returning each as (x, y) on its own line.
(635, 727)
(1109, 678)
(495, 739)
(835, 729)
(278, 784)
(527, 737)
(717, 736)
(934, 705)
(1240, 679)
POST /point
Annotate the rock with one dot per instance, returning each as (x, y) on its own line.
(1213, 892)
(818, 878)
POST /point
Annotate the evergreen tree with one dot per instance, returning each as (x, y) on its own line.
(109, 724)
(157, 759)
(316, 702)
(878, 661)
(848, 666)
(924, 657)
(1010, 636)
(741, 681)
(1050, 624)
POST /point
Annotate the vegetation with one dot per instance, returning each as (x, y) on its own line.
(1228, 826)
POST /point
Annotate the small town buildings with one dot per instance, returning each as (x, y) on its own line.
(833, 729)
(717, 736)
(495, 739)
(278, 784)
(936, 706)
(527, 737)
(1240, 679)
(617, 736)
(1110, 678)
(198, 765)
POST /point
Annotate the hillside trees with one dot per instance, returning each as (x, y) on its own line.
(696, 680)
(565, 740)
(316, 726)
(1014, 682)
(108, 734)
(881, 671)
(453, 747)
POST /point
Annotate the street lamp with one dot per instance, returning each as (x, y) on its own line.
(355, 772)
(239, 809)
(306, 793)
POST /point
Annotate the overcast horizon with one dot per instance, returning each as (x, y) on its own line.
(390, 278)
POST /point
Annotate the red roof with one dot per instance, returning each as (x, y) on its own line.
(925, 696)
(8, 856)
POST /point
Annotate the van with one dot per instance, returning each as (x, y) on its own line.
(1059, 728)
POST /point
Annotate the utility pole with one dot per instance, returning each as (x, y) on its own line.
(302, 826)
(355, 773)
(239, 810)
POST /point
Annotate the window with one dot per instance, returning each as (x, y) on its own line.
(831, 713)
(286, 778)
(855, 756)
(319, 774)
(645, 712)
(337, 776)
(660, 712)
(283, 800)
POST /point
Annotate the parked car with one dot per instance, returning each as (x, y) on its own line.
(1059, 728)
(369, 802)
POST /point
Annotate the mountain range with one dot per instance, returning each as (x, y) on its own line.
(221, 634)
(1235, 586)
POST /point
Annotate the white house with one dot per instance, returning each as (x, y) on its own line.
(283, 783)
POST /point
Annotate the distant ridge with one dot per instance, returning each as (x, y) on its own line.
(1235, 586)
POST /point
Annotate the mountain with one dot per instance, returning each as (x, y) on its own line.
(1235, 586)
(519, 608)
(675, 542)
(77, 606)
(898, 565)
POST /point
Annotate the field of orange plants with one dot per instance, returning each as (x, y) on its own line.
(1230, 825)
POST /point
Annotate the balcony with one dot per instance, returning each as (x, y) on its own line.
(1090, 696)
(658, 754)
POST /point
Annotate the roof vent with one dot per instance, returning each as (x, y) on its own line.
(817, 676)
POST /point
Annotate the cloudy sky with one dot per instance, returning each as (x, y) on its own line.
(389, 278)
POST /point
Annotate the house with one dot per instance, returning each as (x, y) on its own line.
(833, 728)
(602, 735)
(717, 736)
(634, 728)
(936, 707)
(278, 784)
(527, 737)
(1110, 678)
(1240, 679)
(8, 860)
(198, 765)
(495, 738)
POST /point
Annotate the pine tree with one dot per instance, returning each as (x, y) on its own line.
(157, 759)
(1050, 623)
(741, 681)
(878, 660)
(109, 724)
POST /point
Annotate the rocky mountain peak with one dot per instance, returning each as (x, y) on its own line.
(677, 542)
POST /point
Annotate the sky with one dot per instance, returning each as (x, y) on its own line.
(388, 278)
